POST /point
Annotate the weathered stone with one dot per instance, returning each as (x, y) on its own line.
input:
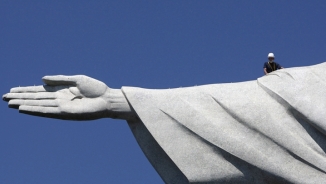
(271, 130)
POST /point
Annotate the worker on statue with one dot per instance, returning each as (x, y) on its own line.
(270, 65)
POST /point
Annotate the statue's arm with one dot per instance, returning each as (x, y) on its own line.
(118, 106)
(70, 97)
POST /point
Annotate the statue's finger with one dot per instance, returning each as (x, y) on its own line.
(35, 89)
(43, 103)
(60, 80)
(35, 96)
(4, 97)
(27, 89)
(49, 112)
(42, 111)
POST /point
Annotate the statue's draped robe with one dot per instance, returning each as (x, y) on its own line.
(271, 130)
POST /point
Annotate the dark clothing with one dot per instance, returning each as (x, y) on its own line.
(271, 66)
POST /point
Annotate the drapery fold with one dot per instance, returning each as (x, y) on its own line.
(270, 130)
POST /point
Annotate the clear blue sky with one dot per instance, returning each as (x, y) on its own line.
(150, 44)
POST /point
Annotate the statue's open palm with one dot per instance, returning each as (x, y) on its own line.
(63, 97)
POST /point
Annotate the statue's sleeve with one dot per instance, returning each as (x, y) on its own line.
(249, 132)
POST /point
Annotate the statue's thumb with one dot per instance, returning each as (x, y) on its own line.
(56, 80)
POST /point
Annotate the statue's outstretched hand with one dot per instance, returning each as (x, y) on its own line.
(75, 97)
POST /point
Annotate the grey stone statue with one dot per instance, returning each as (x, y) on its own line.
(271, 130)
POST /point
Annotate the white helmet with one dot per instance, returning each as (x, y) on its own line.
(270, 55)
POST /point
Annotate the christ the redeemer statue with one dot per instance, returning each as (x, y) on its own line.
(270, 130)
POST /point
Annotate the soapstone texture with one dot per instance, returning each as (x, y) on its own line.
(270, 130)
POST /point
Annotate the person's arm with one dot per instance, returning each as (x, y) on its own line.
(70, 97)
(265, 71)
(265, 68)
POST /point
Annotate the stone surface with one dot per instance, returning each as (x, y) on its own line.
(271, 130)
(266, 131)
